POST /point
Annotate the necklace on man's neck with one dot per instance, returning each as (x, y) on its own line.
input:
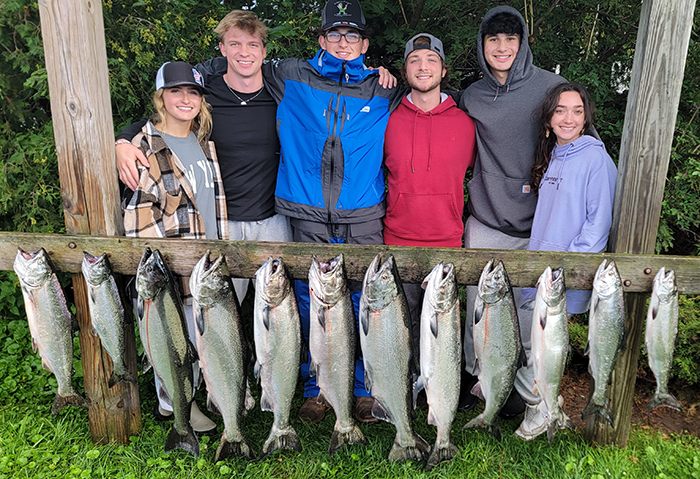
(244, 102)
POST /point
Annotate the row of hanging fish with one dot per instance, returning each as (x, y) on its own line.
(393, 376)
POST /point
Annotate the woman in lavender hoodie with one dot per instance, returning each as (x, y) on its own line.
(574, 178)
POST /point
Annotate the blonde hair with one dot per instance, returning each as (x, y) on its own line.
(201, 124)
(244, 20)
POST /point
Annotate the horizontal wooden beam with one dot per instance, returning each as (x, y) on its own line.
(245, 257)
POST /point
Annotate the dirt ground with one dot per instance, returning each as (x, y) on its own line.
(575, 390)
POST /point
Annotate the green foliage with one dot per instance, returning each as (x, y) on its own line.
(686, 366)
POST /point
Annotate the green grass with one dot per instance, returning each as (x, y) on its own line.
(33, 444)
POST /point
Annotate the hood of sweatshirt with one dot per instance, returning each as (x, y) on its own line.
(522, 69)
(351, 71)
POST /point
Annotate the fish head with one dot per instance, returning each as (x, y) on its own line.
(381, 284)
(493, 283)
(327, 279)
(441, 287)
(665, 285)
(33, 269)
(607, 279)
(96, 269)
(152, 274)
(551, 286)
(209, 280)
(272, 281)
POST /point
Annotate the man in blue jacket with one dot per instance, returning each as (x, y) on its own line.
(331, 118)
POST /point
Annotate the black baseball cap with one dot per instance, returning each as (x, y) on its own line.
(172, 74)
(343, 13)
(434, 45)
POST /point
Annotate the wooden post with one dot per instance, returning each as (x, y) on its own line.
(76, 64)
(652, 107)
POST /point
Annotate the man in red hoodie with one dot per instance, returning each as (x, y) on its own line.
(428, 146)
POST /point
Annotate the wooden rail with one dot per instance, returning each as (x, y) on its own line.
(245, 257)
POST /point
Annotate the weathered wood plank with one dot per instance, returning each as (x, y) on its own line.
(652, 107)
(76, 65)
(245, 257)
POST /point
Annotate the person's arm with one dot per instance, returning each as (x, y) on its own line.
(215, 66)
(599, 205)
(127, 155)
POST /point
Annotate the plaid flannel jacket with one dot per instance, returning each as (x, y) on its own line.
(163, 205)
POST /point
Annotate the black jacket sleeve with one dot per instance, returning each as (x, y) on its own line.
(131, 131)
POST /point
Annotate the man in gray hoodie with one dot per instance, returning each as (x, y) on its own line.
(501, 204)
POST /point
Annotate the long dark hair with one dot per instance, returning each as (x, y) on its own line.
(547, 140)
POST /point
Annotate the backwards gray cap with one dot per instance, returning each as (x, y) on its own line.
(434, 45)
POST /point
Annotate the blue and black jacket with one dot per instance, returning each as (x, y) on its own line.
(331, 119)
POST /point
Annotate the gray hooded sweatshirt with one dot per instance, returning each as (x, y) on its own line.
(506, 135)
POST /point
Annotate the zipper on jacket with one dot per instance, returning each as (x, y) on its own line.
(335, 126)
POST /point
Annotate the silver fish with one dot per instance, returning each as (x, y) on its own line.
(550, 345)
(107, 313)
(163, 330)
(222, 351)
(497, 345)
(277, 332)
(662, 335)
(440, 357)
(332, 342)
(385, 337)
(606, 336)
(49, 322)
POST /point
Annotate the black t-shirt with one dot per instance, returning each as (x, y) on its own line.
(247, 146)
(248, 149)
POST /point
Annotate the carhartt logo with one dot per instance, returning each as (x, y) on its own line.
(365, 109)
(526, 188)
(342, 9)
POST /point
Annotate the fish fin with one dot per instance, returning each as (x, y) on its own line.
(623, 340)
(522, 360)
(415, 452)
(126, 376)
(322, 314)
(60, 402)
(140, 308)
(478, 311)
(187, 442)
(434, 325)
(145, 363)
(364, 320)
(312, 369)
(380, 412)
(417, 386)
(93, 331)
(543, 319)
(256, 371)
(281, 439)
(654, 306)
(212, 406)
(265, 403)
(91, 294)
(192, 351)
(163, 394)
(199, 319)
(603, 411)
(587, 350)
(339, 439)
(46, 365)
(34, 345)
(228, 449)
(432, 420)
(440, 454)
(477, 391)
(664, 399)
(249, 402)
(368, 380)
(478, 423)
(266, 317)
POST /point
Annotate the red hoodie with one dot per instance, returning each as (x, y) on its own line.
(426, 156)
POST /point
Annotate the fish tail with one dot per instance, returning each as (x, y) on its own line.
(664, 399)
(478, 423)
(416, 451)
(60, 402)
(228, 449)
(346, 438)
(281, 439)
(603, 411)
(440, 454)
(187, 442)
(560, 421)
(116, 378)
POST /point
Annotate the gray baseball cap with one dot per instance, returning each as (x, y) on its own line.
(434, 45)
